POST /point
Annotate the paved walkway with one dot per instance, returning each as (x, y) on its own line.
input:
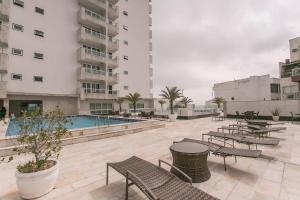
(82, 166)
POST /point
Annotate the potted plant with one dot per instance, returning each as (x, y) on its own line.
(133, 98)
(171, 94)
(276, 114)
(185, 101)
(40, 135)
(162, 102)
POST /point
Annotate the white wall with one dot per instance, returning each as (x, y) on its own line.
(295, 44)
(59, 67)
(263, 107)
(138, 65)
(249, 89)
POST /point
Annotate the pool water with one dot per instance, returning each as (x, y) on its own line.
(77, 123)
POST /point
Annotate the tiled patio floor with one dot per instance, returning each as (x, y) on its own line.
(82, 166)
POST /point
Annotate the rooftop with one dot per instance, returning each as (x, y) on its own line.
(82, 166)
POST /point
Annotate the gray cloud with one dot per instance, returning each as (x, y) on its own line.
(197, 43)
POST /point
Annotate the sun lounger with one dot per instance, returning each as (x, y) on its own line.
(156, 182)
(224, 151)
(242, 139)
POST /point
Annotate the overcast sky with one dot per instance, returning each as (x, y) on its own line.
(197, 43)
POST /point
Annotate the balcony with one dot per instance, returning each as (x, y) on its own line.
(113, 12)
(90, 56)
(112, 29)
(296, 75)
(113, 45)
(292, 96)
(89, 20)
(90, 38)
(96, 4)
(3, 89)
(113, 79)
(5, 9)
(3, 35)
(90, 76)
(3, 62)
(114, 2)
(112, 62)
(97, 94)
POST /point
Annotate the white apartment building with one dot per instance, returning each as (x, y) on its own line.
(254, 88)
(75, 54)
(290, 72)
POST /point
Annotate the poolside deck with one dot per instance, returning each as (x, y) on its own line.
(82, 167)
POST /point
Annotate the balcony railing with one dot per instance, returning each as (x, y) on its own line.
(3, 61)
(91, 37)
(113, 12)
(113, 79)
(92, 76)
(292, 96)
(113, 45)
(3, 35)
(96, 4)
(3, 89)
(88, 19)
(97, 94)
(85, 55)
(5, 9)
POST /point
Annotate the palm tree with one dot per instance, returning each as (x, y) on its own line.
(162, 102)
(133, 98)
(185, 101)
(218, 101)
(171, 95)
(119, 101)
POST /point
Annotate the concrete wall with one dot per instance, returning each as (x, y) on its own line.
(138, 63)
(263, 107)
(255, 88)
(295, 44)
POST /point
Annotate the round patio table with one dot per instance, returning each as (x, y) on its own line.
(191, 158)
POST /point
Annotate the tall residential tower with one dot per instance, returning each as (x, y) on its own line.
(76, 54)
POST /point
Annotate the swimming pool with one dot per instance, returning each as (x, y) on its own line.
(77, 123)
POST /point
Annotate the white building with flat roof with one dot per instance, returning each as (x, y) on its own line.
(76, 54)
(254, 88)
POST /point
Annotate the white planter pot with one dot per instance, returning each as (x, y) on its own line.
(172, 117)
(275, 118)
(37, 184)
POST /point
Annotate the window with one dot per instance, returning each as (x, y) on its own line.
(38, 56)
(94, 50)
(294, 50)
(275, 88)
(125, 42)
(39, 10)
(125, 72)
(139, 107)
(94, 69)
(94, 33)
(93, 87)
(125, 13)
(101, 108)
(39, 33)
(19, 3)
(38, 78)
(126, 87)
(18, 27)
(18, 52)
(94, 15)
(125, 57)
(16, 77)
(125, 28)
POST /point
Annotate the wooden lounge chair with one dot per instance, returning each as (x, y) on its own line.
(156, 182)
(242, 139)
(224, 151)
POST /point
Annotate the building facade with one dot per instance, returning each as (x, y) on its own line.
(254, 88)
(290, 72)
(75, 54)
